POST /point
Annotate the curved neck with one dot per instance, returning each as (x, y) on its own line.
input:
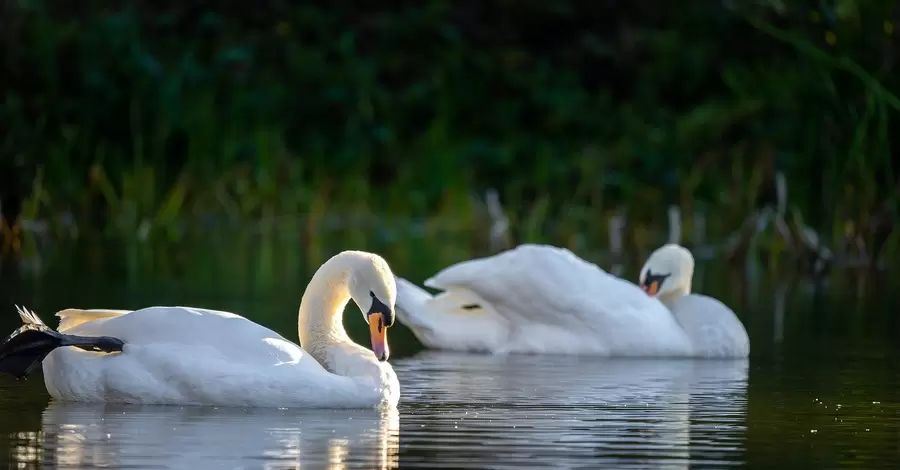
(680, 290)
(320, 320)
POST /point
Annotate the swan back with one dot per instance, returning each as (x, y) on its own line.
(714, 329)
(540, 285)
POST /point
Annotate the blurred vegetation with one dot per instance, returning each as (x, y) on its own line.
(263, 275)
(137, 118)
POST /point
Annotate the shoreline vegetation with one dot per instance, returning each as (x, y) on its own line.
(478, 226)
(753, 129)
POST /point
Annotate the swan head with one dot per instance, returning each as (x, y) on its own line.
(373, 289)
(668, 272)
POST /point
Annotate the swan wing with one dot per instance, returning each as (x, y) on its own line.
(72, 317)
(545, 285)
(228, 334)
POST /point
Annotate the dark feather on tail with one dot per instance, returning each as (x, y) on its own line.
(25, 349)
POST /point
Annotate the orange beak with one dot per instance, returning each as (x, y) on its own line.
(378, 331)
(651, 288)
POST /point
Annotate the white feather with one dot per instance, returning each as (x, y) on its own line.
(543, 299)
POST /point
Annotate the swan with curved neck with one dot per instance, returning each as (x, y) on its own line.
(195, 356)
(668, 273)
(544, 299)
(714, 329)
(347, 276)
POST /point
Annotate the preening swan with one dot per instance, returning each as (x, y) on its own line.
(543, 299)
(714, 329)
(195, 356)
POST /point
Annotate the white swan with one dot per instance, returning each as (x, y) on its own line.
(194, 356)
(714, 329)
(543, 299)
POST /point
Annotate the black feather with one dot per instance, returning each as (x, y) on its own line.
(25, 349)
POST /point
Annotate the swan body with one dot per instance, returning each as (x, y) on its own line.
(714, 329)
(540, 299)
(196, 356)
(544, 299)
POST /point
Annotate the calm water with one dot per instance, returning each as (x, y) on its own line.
(822, 390)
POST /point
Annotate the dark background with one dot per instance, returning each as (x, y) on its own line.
(129, 111)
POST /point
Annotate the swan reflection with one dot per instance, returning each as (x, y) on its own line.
(459, 411)
(565, 411)
(130, 436)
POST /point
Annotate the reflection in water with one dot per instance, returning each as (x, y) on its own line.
(780, 298)
(458, 411)
(571, 412)
(123, 436)
(479, 411)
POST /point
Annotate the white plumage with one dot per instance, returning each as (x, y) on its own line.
(543, 299)
(197, 356)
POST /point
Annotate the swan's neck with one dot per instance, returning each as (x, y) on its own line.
(680, 290)
(320, 321)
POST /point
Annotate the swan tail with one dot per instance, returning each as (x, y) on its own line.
(72, 317)
(455, 320)
(411, 303)
(410, 296)
(23, 350)
(413, 300)
(414, 309)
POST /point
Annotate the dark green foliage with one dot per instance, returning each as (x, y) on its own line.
(154, 110)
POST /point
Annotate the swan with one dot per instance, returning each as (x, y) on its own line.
(544, 299)
(714, 329)
(196, 356)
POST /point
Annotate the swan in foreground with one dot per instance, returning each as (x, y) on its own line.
(543, 299)
(195, 356)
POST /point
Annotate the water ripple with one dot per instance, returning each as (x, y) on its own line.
(484, 412)
(471, 411)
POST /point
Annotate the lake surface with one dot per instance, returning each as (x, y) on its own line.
(821, 390)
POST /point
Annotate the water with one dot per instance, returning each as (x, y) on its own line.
(821, 390)
(573, 412)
